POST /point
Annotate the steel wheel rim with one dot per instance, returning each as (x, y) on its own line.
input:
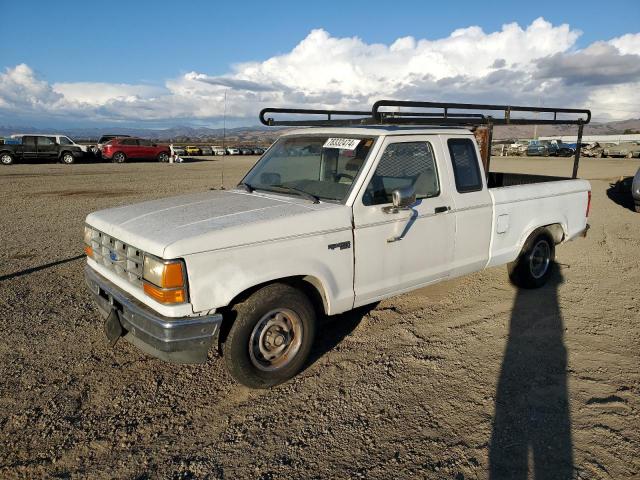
(164, 157)
(67, 158)
(6, 159)
(540, 259)
(119, 157)
(275, 340)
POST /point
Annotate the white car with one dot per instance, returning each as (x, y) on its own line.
(60, 139)
(233, 151)
(362, 214)
(217, 150)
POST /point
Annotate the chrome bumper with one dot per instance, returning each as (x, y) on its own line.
(176, 340)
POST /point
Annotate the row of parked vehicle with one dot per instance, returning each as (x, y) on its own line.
(114, 148)
(217, 150)
(556, 148)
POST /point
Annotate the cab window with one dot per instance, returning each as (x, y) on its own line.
(406, 164)
(128, 141)
(465, 165)
(46, 141)
(65, 141)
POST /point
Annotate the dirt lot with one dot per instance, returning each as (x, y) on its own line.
(466, 379)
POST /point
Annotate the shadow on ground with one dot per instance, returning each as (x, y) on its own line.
(332, 330)
(531, 435)
(620, 193)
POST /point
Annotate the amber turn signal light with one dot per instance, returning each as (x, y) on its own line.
(165, 296)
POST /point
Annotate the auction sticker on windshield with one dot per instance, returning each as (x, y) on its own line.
(342, 143)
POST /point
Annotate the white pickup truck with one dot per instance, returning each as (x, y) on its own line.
(329, 219)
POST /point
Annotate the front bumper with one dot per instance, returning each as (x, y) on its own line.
(176, 340)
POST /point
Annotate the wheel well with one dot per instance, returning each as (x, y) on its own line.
(556, 231)
(310, 286)
(63, 152)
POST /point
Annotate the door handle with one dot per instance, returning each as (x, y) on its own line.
(442, 209)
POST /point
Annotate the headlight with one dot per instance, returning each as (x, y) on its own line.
(164, 280)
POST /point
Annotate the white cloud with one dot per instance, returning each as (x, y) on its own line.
(628, 44)
(522, 65)
(97, 93)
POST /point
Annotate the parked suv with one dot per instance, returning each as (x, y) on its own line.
(542, 148)
(120, 149)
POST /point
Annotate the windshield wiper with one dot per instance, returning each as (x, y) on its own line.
(249, 188)
(286, 188)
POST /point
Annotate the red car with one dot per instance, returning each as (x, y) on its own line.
(119, 150)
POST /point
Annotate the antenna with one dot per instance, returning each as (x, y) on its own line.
(224, 136)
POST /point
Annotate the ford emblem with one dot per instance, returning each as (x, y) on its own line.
(113, 256)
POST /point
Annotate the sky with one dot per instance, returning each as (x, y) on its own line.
(161, 63)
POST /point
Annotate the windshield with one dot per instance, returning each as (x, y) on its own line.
(321, 166)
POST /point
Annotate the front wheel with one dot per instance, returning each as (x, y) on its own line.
(533, 267)
(118, 157)
(163, 157)
(67, 158)
(271, 337)
(6, 159)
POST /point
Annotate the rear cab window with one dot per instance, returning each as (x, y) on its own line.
(466, 169)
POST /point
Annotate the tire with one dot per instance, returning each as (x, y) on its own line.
(67, 158)
(6, 158)
(533, 266)
(163, 157)
(278, 312)
(118, 157)
(630, 155)
(637, 207)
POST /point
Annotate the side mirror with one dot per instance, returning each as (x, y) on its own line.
(402, 199)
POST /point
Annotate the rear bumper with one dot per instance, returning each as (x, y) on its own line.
(176, 340)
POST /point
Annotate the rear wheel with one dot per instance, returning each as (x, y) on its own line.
(163, 157)
(6, 158)
(118, 157)
(66, 158)
(271, 337)
(533, 267)
(630, 155)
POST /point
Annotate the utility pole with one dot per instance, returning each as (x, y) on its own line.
(224, 137)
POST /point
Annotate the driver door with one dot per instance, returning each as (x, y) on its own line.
(403, 250)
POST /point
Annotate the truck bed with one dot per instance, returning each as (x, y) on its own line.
(524, 202)
(500, 179)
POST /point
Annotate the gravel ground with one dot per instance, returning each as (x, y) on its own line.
(470, 378)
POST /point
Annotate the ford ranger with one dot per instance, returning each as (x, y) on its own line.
(329, 219)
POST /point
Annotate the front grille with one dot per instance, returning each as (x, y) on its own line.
(125, 260)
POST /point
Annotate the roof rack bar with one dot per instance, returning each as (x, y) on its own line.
(506, 110)
(469, 116)
(328, 113)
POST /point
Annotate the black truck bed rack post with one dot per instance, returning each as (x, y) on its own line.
(439, 114)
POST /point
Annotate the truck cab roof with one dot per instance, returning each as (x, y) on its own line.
(377, 130)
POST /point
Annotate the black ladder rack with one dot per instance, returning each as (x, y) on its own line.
(438, 114)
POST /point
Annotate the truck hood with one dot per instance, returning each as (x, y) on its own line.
(178, 226)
